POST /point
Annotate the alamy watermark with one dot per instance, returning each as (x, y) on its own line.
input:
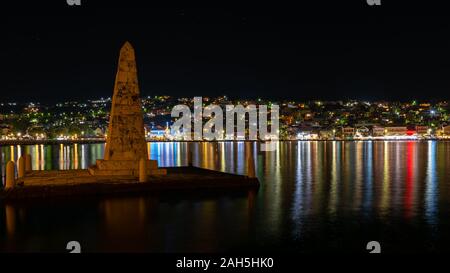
(235, 123)
(374, 2)
(373, 247)
(73, 2)
(74, 247)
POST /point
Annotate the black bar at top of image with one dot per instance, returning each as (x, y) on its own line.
(311, 8)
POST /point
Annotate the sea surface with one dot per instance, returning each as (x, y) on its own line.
(315, 197)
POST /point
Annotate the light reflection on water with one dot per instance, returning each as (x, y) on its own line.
(314, 196)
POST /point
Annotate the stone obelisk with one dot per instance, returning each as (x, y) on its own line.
(125, 142)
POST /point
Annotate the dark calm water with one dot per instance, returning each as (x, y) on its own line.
(314, 197)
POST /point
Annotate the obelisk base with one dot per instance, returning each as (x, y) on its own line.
(124, 168)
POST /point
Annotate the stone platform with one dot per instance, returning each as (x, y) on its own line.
(45, 184)
(124, 167)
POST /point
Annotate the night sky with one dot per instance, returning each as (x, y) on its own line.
(302, 53)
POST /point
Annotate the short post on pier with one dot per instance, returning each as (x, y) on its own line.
(21, 167)
(10, 175)
(142, 170)
(27, 163)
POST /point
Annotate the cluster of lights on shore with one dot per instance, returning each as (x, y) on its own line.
(313, 124)
(178, 135)
(389, 133)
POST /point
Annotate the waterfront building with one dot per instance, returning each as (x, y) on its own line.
(348, 132)
(446, 130)
(396, 131)
(327, 134)
(423, 130)
(362, 131)
(378, 131)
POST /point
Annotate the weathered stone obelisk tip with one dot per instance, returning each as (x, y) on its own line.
(125, 142)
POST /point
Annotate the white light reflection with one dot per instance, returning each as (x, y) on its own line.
(432, 192)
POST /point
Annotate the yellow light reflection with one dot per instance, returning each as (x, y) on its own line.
(42, 161)
(11, 148)
(61, 157)
(75, 163)
(384, 203)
